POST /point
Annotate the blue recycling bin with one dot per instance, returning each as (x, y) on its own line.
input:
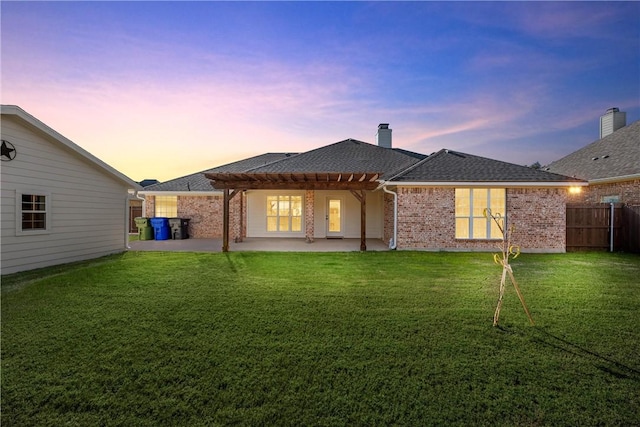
(160, 228)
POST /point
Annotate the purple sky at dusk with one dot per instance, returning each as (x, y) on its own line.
(165, 89)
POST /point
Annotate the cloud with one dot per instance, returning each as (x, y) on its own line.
(552, 21)
(135, 115)
(163, 102)
(565, 19)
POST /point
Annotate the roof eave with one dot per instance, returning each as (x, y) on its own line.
(615, 179)
(179, 193)
(34, 122)
(502, 184)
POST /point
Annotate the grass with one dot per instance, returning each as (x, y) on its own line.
(385, 338)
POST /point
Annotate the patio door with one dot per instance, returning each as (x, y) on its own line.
(335, 218)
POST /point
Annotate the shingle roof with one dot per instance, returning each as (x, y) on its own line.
(198, 182)
(451, 166)
(615, 155)
(349, 155)
(352, 156)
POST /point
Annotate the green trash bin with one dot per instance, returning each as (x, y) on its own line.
(145, 230)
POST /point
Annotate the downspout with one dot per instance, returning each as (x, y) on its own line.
(394, 241)
(127, 220)
(126, 215)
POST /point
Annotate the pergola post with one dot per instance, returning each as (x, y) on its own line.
(225, 217)
(225, 221)
(362, 197)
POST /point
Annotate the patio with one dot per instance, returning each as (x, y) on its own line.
(257, 244)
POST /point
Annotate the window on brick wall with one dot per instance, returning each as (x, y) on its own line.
(166, 206)
(470, 206)
(284, 213)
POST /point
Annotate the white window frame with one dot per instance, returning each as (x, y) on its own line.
(290, 216)
(47, 213)
(489, 222)
(164, 214)
(610, 199)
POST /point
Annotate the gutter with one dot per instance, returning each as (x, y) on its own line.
(614, 179)
(180, 193)
(492, 184)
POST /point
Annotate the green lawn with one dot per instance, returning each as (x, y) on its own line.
(378, 338)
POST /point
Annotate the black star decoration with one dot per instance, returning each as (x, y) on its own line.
(8, 151)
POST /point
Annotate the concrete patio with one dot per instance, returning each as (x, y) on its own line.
(258, 244)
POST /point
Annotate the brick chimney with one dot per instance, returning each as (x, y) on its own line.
(611, 121)
(383, 137)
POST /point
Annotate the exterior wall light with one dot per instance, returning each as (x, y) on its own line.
(575, 190)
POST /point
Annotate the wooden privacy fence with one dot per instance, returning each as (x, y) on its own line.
(134, 212)
(589, 227)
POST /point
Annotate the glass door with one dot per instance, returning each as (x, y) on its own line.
(334, 217)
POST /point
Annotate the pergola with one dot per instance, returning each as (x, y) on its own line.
(232, 183)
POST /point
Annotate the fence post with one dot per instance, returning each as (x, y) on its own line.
(611, 212)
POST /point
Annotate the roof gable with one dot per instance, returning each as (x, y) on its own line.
(30, 121)
(616, 155)
(451, 166)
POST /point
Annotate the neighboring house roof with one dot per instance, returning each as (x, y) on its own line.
(349, 155)
(616, 156)
(148, 182)
(31, 121)
(198, 182)
(447, 166)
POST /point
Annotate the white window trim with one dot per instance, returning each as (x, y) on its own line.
(487, 235)
(288, 232)
(155, 207)
(48, 213)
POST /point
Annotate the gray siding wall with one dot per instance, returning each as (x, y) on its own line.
(88, 205)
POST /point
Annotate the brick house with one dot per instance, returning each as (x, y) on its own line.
(353, 189)
(611, 164)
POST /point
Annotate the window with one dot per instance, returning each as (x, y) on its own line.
(610, 199)
(470, 206)
(32, 212)
(167, 206)
(284, 213)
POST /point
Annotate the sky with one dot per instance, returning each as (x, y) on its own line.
(165, 89)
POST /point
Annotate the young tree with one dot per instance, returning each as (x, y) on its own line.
(507, 250)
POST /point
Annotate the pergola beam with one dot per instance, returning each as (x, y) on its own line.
(295, 185)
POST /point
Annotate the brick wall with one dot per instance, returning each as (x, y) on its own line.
(426, 220)
(205, 213)
(150, 206)
(539, 216)
(236, 221)
(627, 191)
(309, 218)
(387, 231)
